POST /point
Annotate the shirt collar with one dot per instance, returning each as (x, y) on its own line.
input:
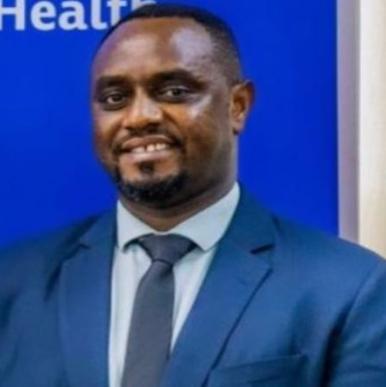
(205, 228)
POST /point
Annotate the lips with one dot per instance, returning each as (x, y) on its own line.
(148, 144)
(148, 148)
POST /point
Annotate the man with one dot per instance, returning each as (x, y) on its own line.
(247, 300)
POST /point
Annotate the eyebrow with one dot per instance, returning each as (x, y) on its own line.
(106, 81)
(177, 75)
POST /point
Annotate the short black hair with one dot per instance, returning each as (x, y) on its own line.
(223, 37)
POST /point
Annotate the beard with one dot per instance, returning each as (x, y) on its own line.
(156, 193)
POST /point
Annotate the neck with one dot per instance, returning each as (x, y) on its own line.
(163, 219)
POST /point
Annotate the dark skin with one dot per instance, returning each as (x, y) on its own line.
(163, 107)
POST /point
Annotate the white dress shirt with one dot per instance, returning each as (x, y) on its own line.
(205, 229)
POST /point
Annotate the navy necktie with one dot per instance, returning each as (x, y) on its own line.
(150, 333)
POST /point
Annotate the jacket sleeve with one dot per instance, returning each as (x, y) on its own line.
(359, 355)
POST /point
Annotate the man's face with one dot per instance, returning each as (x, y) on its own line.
(162, 112)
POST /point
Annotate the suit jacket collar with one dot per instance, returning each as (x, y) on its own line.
(252, 227)
(102, 230)
(84, 305)
(240, 266)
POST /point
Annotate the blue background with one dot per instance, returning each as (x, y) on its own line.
(49, 176)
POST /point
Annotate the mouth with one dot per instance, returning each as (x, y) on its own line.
(147, 148)
(150, 148)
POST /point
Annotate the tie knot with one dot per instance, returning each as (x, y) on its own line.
(166, 248)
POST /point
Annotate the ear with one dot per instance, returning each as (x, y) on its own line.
(242, 96)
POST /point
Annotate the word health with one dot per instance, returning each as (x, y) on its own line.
(67, 15)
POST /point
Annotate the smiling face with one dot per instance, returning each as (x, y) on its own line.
(165, 115)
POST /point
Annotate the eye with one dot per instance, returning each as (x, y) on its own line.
(177, 93)
(113, 100)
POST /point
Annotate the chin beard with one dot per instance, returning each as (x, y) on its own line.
(158, 193)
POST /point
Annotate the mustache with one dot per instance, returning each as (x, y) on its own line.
(140, 133)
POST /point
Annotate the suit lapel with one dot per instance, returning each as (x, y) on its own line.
(85, 306)
(240, 266)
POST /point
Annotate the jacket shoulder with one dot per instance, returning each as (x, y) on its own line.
(42, 253)
(323, 255)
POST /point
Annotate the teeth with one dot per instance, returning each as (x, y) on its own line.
(160, 147)
(139, 149)
(150, 148)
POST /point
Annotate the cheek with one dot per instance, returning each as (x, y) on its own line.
(106, 128)
(207, 144)
(209, 130)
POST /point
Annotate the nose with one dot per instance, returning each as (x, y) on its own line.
(142, 112)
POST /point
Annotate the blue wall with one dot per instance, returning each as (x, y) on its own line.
(288, 152)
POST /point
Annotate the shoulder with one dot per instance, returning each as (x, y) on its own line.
(41, 254)
(325, 262)
(301, 246)
(316, 245)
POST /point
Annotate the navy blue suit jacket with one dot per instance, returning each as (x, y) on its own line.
(281, 306)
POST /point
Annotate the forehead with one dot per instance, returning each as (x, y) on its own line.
(152, 45)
